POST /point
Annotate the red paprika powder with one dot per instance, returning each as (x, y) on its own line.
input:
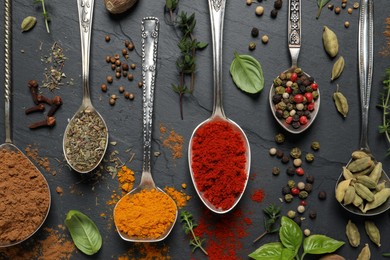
(218, 163)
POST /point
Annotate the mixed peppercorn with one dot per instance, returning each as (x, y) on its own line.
(295, 94)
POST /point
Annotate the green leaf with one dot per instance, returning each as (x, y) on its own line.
(290, 234)
(201, 45)
(320, 244)
(168, 4)
(321, 3)
(288, 254)
(270, 251)
(247, 74)
(84, 232)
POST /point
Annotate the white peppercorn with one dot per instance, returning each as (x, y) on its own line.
(272, 151)
(306, 232)
(301, 208)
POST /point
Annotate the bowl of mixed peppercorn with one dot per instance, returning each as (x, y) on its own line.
(294, 100)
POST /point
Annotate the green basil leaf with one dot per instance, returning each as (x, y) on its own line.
(270, 251)
(290, 234)
(288, 254)
(247, 74)
(84, 232)
(321, 3)
(320, 244)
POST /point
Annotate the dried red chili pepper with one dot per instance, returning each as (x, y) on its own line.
(218, 163)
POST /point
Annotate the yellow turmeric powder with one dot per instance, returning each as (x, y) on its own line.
(178, 196)
(126, 178)
(147, 214)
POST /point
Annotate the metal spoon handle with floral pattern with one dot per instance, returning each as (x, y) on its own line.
(294, 30)
(7, 69)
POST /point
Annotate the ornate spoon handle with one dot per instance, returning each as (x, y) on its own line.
(294, 30)
(85, 10)
(150, 32)
(7, 68)
(365, 52)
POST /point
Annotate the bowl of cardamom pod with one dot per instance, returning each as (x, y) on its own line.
(363, 188)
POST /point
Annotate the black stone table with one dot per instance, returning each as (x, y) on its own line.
(338, 136)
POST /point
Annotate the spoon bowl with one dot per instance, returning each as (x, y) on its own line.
(86, 135)
(217, 11)
(8, 145)
(303, 113)
(365, 58)
(150, 32)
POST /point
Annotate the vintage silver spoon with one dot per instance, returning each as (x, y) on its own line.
(365, 58)
(294, 45)
(8, 145)
(217, 12)
(150, 32)
(86, 135)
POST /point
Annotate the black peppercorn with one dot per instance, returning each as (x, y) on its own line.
(278, 4)
(275, 170)
(255, 32)
(279, 153)
(312, 214)
(286, 190)
(308, 187)
(274, 13)
(298, 220)
(290, 171)
(279, 113)
(276, 98)
(285, 159)
(310, 179)
(295, 125)
(322, 195)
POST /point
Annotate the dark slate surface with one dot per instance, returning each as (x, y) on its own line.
(338, 136)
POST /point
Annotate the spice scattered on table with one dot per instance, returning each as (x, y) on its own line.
(54, 73)
(258, 195)
(85, 140)
(180, 197)
(126, 178)
(147, 214)
(172, 141)
(218, 157)
(24, 197)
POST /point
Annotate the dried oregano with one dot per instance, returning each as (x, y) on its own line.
(341, 102)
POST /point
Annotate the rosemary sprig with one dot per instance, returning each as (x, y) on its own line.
(272, 213)
(188, 225)
(384, 128)
(44, 13)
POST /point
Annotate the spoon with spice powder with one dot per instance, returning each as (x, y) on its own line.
(219, 153)
(363, 187)
(147, 213)
(86, 135)
(294, 96)
(24, 192)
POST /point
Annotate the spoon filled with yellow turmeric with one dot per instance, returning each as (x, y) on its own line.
(147, 213)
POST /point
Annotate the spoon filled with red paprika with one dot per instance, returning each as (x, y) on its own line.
(219, 154)
(294, 96)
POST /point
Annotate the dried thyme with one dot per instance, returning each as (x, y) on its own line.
(85, 140)
(384, 128)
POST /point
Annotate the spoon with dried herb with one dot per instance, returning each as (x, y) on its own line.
(294, 96)
(146, 213)
(363, 187)
(219, 154)
(86, 135)
(25, 197)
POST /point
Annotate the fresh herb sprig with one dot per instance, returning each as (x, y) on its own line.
(188, 225)
(272, 213)
(44, 13)
(188, 45)
(321, 4)
(384, 128)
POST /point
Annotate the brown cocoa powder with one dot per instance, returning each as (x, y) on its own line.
(24, 197)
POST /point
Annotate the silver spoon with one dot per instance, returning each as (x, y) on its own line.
(365, 58)
(294, 45)
(150, 32)
(86, 135)
(217, 11)
(8, 145)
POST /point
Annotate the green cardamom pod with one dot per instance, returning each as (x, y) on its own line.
(338, 68)
(330, 42)
(28, 23)
(373, 232)
(365, 254)
(353, 234)
(341, 103)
